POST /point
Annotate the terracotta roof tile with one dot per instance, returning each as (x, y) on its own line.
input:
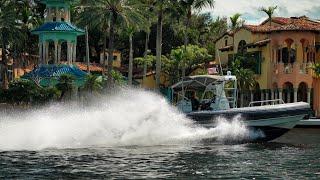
(286, 24)
(92, 67)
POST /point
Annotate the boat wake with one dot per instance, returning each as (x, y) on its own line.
(130, 117)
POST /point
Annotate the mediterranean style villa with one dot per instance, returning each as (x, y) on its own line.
(282, 53)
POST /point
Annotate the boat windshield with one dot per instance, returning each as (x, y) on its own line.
(206, 92)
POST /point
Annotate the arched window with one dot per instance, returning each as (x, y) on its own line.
(242, 48)
(288, 55)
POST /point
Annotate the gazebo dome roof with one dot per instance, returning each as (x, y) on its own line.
(49, 74)
(58, 27)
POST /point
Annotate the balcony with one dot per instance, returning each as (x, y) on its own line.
(292, 72)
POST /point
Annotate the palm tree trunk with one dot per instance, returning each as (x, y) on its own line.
(241, 98)
(4, 68)
(111, 49)
(87, 51)
(186, 42)
(159, 47)
(130, 60)
(104, 53)
(146, 48)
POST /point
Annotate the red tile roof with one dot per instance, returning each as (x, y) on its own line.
(302, 23)
(92, 67)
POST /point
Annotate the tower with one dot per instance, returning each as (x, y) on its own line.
(57, 30)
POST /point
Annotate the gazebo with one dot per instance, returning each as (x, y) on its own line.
(56, 31)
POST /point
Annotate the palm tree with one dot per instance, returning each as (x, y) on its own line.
(65, 85)
(269, 11)
(161, 6)
(150, 16)
(145, 61)
(7, 27)
(92, 83)
(130, 32)
(124, 11)
(89, 16)
(245, 79)
(188, 6)
(235, 24)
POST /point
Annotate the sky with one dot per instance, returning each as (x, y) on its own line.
(250, 9)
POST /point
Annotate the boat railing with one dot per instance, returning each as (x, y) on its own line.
(265, 102)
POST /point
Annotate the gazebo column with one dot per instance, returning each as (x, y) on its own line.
(74, 49)
(56, 42)
(69, 52)
(43, 53)
(67, 15)
(59, 53)
(49, 16)
(47, 52)
(58, 14)
(40, 53)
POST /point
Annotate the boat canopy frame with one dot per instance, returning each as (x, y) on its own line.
(201, 82)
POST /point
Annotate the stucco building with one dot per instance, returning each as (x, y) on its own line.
(281, 54)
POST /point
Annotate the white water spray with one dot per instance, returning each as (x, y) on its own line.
(131, 117)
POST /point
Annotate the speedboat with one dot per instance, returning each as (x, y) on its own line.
(218, 99)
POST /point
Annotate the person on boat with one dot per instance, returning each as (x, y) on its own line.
(194, 102)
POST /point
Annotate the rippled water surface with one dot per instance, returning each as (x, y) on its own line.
(202, 160)
(137, 134)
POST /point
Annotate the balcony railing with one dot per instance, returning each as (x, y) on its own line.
(292, 68)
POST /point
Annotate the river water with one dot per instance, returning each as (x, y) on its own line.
(138, 135)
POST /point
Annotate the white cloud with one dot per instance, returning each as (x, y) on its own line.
(252, 15)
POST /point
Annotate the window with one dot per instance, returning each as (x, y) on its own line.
(288, 55)
(242, 48)
(226, 42)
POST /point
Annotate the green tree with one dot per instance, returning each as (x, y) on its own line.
(8, 27)
(148, 12)
(26, 92)
(194, 57)
(124, 11)
(245, 78)
(235, 24)
(188, 6)
(92, 83)
(316, 69)
(65, 85)
(269, 11)
(145, 61)
(130, 32)
(96, 20)
(161, 6)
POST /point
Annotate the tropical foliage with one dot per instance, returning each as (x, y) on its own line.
(25, 92)
(65, 86)
(316, 69)
(245, 78)
(269, 11)
(192, 57)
